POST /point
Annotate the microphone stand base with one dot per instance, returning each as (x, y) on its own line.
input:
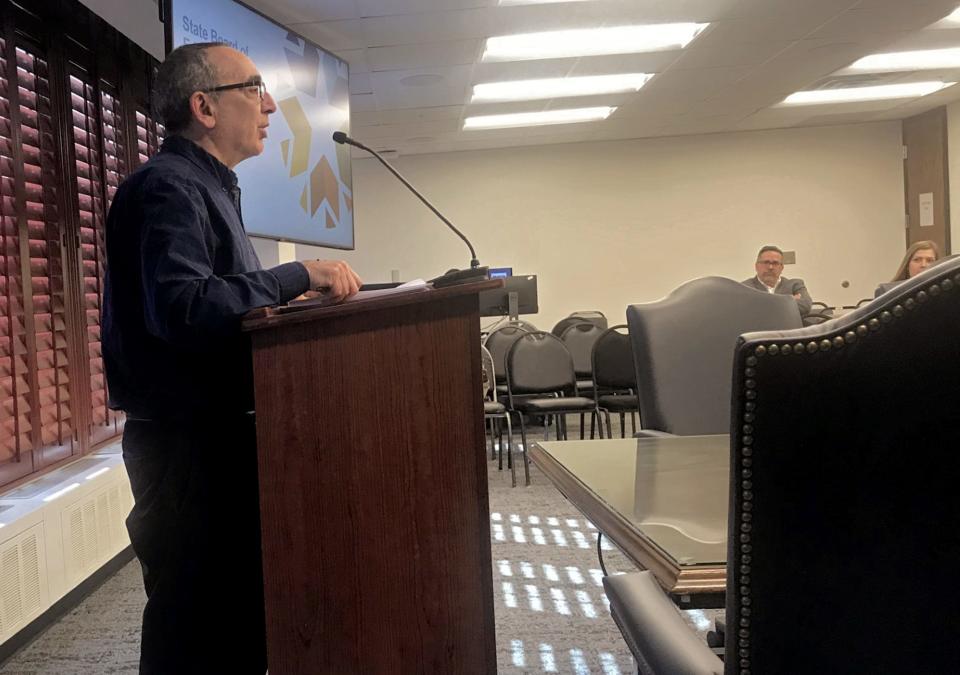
(457, 277)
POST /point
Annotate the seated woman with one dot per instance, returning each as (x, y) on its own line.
(919, 256)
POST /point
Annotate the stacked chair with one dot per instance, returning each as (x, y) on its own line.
(498, 343)
(541, 381)
(589, 316)
(579, 339)
(496, 416)
(614, 378)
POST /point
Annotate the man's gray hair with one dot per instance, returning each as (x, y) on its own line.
(184, 71)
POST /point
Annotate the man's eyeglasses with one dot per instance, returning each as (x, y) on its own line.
(249, 84)
(770, 263)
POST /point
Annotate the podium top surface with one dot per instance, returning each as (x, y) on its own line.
(271, 317)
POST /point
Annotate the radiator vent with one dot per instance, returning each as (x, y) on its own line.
(93, 531)
(21, 587)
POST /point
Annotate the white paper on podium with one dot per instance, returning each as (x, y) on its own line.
(322, 301)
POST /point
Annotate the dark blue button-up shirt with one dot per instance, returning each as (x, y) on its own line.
(181, 273)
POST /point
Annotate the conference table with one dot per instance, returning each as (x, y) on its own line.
(661, 500)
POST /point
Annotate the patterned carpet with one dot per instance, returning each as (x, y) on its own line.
(551, 613)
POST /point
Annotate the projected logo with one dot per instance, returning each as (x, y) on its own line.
(320, 84)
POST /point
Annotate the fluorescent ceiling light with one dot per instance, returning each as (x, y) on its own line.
(557, 87)
(926, 59)
(876, 93)
(954, 16)
(533, 119)
(591, 41)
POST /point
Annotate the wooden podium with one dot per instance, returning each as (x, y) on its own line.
(373, 485)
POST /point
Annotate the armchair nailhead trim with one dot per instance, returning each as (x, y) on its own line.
(838, 341)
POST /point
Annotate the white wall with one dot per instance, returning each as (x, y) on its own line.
(608, 224)
(137, 19)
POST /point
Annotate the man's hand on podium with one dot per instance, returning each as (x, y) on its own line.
(333, 279)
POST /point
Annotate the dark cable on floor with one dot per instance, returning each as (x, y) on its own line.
(600, 553)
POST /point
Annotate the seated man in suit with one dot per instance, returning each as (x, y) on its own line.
(769, 266)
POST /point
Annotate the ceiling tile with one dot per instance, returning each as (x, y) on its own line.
(895, 18)
(405, 57)
(731, 54)
(431, 87)
(294, 11)
(413, 63)
(357, 58)
(360, 83)
(400, 7)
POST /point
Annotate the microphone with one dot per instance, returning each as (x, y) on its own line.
(476, 272)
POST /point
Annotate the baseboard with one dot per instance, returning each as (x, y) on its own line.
(62, 606)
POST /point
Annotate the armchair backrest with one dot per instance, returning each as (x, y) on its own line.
(844, 517)
(683, 350)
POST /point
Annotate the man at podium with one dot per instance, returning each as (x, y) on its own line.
(181, 275)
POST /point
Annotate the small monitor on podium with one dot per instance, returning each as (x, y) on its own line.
(518, 296)
(501, 272)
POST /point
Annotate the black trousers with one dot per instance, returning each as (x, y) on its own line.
(195, 528)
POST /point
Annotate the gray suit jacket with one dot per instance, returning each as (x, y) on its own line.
(785, 287)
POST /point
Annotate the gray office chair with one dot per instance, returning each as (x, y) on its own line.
(579, 339)
(597, 318)
(682, 349)
(843, 518)
(615, 378)
(499, 343)
(541, 381)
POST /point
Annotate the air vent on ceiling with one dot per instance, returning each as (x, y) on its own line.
(861, 80)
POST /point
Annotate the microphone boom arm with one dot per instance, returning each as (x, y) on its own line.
(343, 138)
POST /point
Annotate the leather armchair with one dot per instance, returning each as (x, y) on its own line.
(844, 524)
(683, 350)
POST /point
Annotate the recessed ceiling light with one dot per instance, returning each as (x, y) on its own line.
(557, 87)
(875, 93)
(925, 59)
(533, 119)
(591, 41)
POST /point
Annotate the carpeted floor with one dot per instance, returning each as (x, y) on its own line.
(551, 613)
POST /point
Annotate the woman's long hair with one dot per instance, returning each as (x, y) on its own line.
(904, 270)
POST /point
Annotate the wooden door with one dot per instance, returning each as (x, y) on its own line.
(925, 178)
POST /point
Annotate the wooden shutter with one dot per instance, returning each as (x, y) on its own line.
(37, 397)
(40, 194)
(16, 428)
(91, 162)
(149, 136)
(73, 95)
